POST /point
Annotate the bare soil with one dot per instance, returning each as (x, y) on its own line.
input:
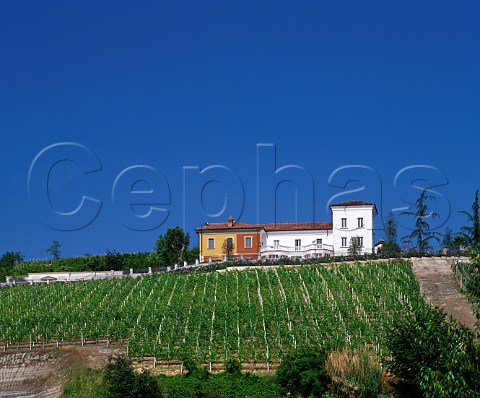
(438, 283)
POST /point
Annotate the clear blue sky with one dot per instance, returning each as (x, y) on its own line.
(385, 85)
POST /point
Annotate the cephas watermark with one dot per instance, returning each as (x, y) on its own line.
(141, 198)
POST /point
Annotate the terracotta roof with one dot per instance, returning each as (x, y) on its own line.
(353, 203)
(224, 225)
(284, 226)
(297, 226)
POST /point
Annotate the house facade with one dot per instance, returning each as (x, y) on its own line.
(352, 223)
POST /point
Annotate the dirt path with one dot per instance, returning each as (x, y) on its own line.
(440, 287)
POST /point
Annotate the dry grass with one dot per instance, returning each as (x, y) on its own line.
(355, 373)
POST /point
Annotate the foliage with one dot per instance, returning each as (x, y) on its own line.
(233, 365)
(190, 255)
(355, 373)
(83, 382)
(221, 385)
(172, 245)
(451, 243)
(302, 372)
(107, 262)
(355, 247)
(228, 247)
(471, 234)
(54, 250)
(422, 234)
(390, 249)
(468, 274)
(10, 259)
(390, 230)
(122, 382)
(441, 358)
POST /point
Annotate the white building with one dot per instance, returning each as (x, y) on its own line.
(352, 221)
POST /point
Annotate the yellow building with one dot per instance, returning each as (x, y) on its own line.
(245, 238)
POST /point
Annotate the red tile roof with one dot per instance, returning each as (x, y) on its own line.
(284, 226)
(224, 225)
(353, 203)
(297, 226)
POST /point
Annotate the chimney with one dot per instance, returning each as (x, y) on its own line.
(230, 222)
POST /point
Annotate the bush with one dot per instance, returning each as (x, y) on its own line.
(355, 373)
(302, 372)
(233, 365)
(122, 382)
(439, 357)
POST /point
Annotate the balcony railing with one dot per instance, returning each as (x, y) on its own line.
(312, 250)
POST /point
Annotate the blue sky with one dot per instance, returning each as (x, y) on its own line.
(168, 85)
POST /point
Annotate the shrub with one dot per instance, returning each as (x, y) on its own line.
(233, 365)
(355, 373)
(439, 357)
(122, 382)
(302, 372)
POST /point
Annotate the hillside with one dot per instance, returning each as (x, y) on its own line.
(256, 315)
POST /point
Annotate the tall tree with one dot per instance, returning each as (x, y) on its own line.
(422, 234)
(172, 245)
(390, 247)
(54, 250)
(471, 233)
(390, 230)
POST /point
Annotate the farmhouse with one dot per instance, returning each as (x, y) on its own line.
(352, 224)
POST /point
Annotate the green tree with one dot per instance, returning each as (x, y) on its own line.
(450, 242)
(302, 373)
(122, 382)
(471, 233)
(228, 247)
(9, 259)
(190, 255)
(54, 250)
(422, 234)
(172, 245)
(391, 225)
(355, 247)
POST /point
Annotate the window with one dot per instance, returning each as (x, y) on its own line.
(211, 243)
(298, 244)
(360, 241)
(344, 223)
(360, 222)
(344, 241)
(319, 242)
(229, 242)
(248, 242)
(276, 243)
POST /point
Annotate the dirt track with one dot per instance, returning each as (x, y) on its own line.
(437, 282)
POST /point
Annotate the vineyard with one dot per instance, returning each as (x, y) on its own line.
(255, 315)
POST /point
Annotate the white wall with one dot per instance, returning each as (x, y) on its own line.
(287, 238)
(352, 213)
